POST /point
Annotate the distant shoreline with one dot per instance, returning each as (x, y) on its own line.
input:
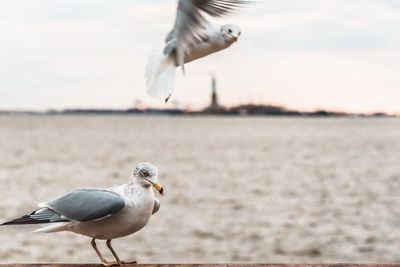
(247, 111)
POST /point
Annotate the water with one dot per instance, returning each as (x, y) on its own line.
(237, 189)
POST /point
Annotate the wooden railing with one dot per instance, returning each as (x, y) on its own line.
(203, 265)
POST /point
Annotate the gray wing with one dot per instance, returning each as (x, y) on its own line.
(156, 206)
(87, 204)
(190, 24)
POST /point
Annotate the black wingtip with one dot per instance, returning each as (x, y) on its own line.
(23, 221)
(27, 219)
(6, 223)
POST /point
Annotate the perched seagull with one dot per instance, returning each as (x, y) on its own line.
(101, 213)
(191, 38)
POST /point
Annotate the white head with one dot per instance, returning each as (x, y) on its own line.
(230, 33)
(146, 174)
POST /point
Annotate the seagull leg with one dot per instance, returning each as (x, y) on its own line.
(104, 262)
(166, 99)
(108, 242)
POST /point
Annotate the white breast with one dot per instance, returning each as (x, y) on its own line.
(135, 215)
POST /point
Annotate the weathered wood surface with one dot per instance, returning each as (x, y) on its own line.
(203, 265)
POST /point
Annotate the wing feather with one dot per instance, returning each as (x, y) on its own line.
(87, 204)
(217, 8)
(79, 205)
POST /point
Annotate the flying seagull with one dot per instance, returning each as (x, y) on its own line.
(101, 213)
(192, 37)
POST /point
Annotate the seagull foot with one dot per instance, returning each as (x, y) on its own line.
(110, 263)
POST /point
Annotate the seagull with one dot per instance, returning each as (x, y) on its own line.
(103, 214)
(192, 37)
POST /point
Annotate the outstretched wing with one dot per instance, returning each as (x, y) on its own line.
(79, 205)
(190, 24)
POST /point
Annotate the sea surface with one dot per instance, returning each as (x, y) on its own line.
(238, 189)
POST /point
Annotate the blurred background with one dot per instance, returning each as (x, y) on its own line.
(314, 177)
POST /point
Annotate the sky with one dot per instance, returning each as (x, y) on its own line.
(341, 55)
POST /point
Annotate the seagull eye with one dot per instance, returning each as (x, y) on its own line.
(229, 30)
(144, 173)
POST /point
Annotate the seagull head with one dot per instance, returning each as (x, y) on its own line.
(146, 174)
(231, 33)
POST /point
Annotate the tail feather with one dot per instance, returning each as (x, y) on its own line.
(40, 216)
(160, 75)
(51, 228)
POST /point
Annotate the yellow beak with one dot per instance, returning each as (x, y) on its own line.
(159, 188)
